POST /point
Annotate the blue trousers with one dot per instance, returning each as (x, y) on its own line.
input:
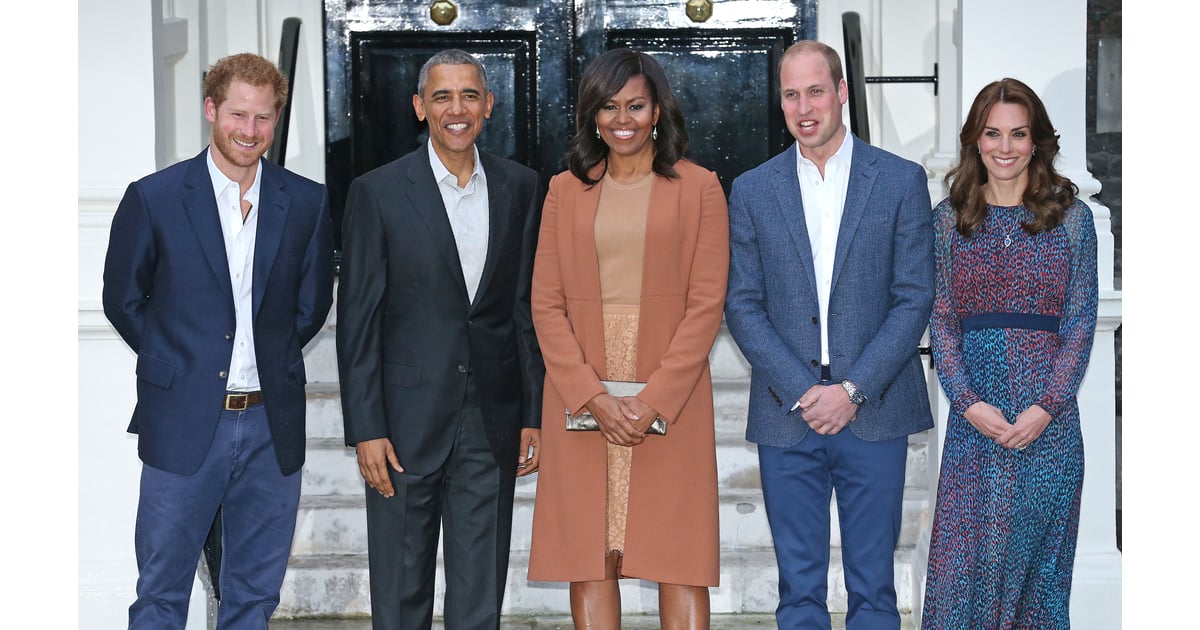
(868, 479)
(240, 473)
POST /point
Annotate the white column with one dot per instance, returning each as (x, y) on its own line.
(998, 39)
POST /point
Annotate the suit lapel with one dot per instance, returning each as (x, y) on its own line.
(863, 173)
(786, 187)
(426, 201)
(500, 213)
(273, 206)
(201, 207)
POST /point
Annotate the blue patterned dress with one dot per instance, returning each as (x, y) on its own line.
(1006, 521)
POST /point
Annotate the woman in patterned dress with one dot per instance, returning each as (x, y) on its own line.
(628, 285)
(1013, 318)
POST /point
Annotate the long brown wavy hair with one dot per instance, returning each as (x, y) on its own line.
(1047, 194)
(605, 76)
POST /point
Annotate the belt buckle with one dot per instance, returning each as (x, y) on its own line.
(236, 402)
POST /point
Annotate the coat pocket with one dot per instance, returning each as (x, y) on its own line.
(154, 371)
(401, 374)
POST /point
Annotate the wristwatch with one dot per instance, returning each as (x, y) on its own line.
(856, 395)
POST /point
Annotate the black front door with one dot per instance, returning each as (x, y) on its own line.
(720, 58)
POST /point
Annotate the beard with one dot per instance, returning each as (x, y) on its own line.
(235, 154)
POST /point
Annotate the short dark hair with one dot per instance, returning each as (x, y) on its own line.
(605, 76)
(451, 57)
(1047, 194)
(248, 68)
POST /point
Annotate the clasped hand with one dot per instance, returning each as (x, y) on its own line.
(623, 421)
(991, 422)
(827, 408)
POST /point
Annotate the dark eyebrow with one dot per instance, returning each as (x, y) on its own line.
(1026, 127)
(447, 92)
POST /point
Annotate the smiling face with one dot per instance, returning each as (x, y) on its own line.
(243, 126)
(626, 120)
(1006, 145)
(455, 104)
(812, 104)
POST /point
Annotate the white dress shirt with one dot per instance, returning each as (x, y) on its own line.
(467, 209)
(824, 199)
(240, 237)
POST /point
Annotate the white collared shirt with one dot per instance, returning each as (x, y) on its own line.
(824, 199)
(467, 209)
(240, 237)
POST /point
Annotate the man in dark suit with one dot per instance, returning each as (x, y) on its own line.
(830, 289)
(440, 370)
(218, 272)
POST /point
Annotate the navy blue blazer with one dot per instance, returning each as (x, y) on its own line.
(879, 303)
(408, 337)
(167, 293)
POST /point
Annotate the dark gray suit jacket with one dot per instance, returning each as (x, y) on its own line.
(879, 303)
(407, 338)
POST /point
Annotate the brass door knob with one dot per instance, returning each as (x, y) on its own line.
(699, 10)
(443, 12)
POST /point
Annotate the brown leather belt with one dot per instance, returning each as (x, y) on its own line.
(240, 400)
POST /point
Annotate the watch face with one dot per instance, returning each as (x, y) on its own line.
(855, 395)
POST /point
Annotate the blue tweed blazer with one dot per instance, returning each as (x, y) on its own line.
(879, 304)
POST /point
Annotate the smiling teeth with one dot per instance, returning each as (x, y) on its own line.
(243, 143)
(623, 134)
(456, 126)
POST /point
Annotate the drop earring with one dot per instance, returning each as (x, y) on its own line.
(654, 133)
(597, 132)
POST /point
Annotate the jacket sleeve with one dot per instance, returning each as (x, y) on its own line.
(910, 296)
(746, 305)
(670, 386)
(129, 267)
(361, 285)
(574, 380)
(316, 276)
(529, 354)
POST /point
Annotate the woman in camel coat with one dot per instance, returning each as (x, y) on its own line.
(630, 137)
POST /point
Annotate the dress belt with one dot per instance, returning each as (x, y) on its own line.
(237, 401)
(1029, 321)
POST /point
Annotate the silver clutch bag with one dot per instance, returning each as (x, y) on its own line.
(587, 422)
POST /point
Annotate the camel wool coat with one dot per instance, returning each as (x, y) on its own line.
(672, 532)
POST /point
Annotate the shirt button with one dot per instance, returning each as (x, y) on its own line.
(223, 374)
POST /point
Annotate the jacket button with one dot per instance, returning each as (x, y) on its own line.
(223, 374)
(815, 363)
(469, 322)
(462, 368)
(229, 335)
(815, 321)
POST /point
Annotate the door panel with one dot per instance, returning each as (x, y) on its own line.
(534, 51)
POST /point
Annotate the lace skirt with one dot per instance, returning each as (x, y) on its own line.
(620, 357)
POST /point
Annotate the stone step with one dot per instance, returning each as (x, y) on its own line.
(337, 585)
(337, 524)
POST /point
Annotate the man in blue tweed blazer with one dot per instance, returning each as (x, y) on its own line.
(830, 289)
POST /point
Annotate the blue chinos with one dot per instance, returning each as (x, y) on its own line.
(868, 478)
(241, 474)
